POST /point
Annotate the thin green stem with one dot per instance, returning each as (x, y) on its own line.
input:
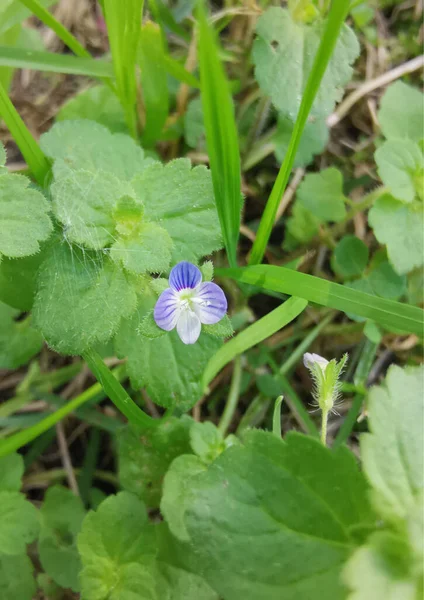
(233, 397)
(276, 417)
(297, 407)
(324, 420)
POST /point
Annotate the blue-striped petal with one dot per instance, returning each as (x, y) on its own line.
(184, 276)
(210, 303)
(188, 327)
(167, 310)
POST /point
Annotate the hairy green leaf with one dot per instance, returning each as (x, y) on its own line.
(18, 340)
(18, 523)
(401, 112)
(301, 227)
(322, 194)
(81, 299)
(400, 166)
(283, 53)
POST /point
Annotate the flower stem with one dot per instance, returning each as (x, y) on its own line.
(233, 396)
(324, 420)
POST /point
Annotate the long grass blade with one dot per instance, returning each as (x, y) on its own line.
(20, 58)
(403, 317)
(254, 334)
(335, 20)
(123, 20)
(35, 159)
(154, 82)
(176, 70)
(221, 135)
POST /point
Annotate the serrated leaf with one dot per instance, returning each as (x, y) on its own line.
(283, 53)
(400, 227)
(148, 327)
(146, 250)
(24, 218)
(313, 141)
(282, 508)
(322, 194)
(302, 226)
(400, 166)
(16, 578)
(81, 299)
(207, 270)
(11, 471)
(194, 127)
(222, 329)
(392, 454)
(19, 341)
(84, 202)
(144, 459)
(170, 370)
(350, 256)
(396, 122)
(181, 200)
(18, 523)
(117, 547)
(62, 515)
(98, 103)
(18, 279)
(88, 145)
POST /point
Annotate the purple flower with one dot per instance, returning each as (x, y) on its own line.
(188, 303)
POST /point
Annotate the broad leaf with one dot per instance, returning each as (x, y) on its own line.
(400, 166)
(81, 299)
(16, 578)
(11, 471)
(144, 459)
(401, 112)
(313, 141)
(62, 514)
(400, 227)
(18, 279)
(393, 453)
(18, 523)
(19, 341)
(283, 53)
(322, 194)
(181, 199)
(350, 256)
(24, 218)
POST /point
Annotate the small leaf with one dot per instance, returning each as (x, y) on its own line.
(18, 523)
(400, 166)
(322, 194)
(207, 270)
(350, 256)
(148, 327)
(194, 126)
(392, 454)
(222, 329)
(19, 341)
(206, 441)
(399, 226)
(283, 53)
(302, 226)
(397, 122)
(24, 219)
(62, 515)
(98, 103)
(181, 200)
(17, 578)
(11, 471)
(313, 141)
(386, 283)
(144, 459)
(81, 299)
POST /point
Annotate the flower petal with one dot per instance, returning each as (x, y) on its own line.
(184, 275)
(188, 327)
(309, 359)
(209, 303)
(167, 310)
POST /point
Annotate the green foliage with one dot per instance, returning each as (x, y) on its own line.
(206, 441)
(24, 219)
(400, 227)
(18, 340)
(400, 166)
(81, 299)
(145, 458)
(322, 194)
(18, 279)
(194, 128)
(313, 141)
(301, 227)
(350, 256)
(288, 48)
(98, 103)
(16, 578)
(62, 514)
(222, 329)
(401, 112)
(11, 471)
(386, 283)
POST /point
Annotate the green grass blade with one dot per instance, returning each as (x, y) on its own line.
(176, 70)
(221, 135)
(16, 441)
(259, 331)
(276, 417)
(154, 81)
(35, 159)
(123, 20)
(56, 63)
(37, 9)
(165, 18)
(335, 20)
(403, 317)
(116, 392)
